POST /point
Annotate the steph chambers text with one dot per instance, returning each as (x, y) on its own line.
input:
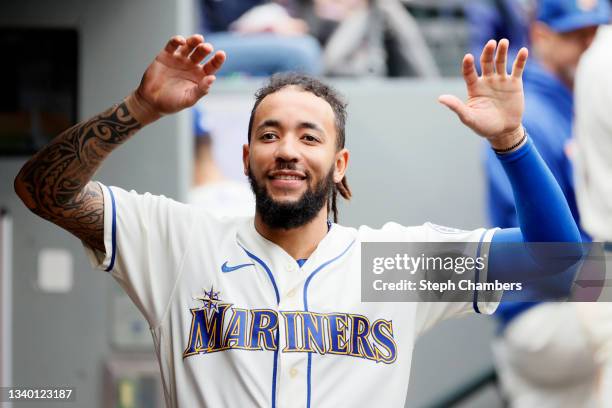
(425, 285)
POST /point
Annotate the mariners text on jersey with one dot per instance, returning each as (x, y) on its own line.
(219, 326)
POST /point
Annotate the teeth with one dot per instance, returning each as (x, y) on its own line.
(287, 177)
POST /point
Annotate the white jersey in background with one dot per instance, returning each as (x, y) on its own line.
(593, 131)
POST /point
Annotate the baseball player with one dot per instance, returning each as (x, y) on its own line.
(266, 310)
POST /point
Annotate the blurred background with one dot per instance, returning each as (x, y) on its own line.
(412, 161)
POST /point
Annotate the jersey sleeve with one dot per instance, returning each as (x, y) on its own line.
(430, 313)
(477, 245)
(145, 239)
(472, 244)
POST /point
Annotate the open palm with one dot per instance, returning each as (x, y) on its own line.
(495, 103)
(176, 79)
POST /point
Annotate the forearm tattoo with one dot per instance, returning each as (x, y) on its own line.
(56, 181)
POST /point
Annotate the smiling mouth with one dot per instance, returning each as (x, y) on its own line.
(286, 175)
(287, 178)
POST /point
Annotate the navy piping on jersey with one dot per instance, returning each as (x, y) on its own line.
(308, 381)
(113, 232)
(477, 276)
(268, 271)
(274, 365)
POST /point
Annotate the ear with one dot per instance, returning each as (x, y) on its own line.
(341, 164)
(245, 159)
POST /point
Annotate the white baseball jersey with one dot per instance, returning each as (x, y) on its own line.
(237, 323)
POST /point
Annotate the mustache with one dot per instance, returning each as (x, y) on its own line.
(289, 165)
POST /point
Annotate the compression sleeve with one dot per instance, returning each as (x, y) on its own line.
(543, 215)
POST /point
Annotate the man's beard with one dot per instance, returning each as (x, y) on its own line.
(280, 215)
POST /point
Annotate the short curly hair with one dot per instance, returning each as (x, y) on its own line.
(307, 84)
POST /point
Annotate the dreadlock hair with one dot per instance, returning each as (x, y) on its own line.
(325, 92)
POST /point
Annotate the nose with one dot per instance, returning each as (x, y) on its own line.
(287, 149)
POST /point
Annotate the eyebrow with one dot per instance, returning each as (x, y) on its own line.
(302, 125)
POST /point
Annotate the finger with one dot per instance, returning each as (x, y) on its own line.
(469, 70)
(456, 105)
(192, 42)
(486, 58)
(520, 62)
(174, 43)
(501, 58)
(200, 52)
(214, 64)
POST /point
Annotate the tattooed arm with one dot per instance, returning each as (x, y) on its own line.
(56, 183)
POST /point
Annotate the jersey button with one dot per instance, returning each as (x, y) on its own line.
(293, 372)
(291, 293)
(290, 267)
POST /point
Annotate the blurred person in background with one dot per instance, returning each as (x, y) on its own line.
(369, 38)
(593, 176)
(543, 356)
(212, 190)
(261, 36)
(498, 19)
(562, 31)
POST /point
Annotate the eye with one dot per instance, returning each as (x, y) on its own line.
(310, 138)
(268, 136)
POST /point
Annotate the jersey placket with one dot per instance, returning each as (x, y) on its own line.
(292, 366)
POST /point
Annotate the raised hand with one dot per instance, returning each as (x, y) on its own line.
(495, 103)
(176, 79)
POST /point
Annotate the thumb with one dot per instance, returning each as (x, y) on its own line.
(200, 89)
(456, 105)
